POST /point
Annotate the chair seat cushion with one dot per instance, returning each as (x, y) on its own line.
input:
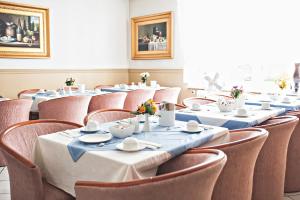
(53, 193)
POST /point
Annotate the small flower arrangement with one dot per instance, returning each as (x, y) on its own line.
(282, 84)
(149, 107)
(236, 92)
(70, 81)
(144, 76)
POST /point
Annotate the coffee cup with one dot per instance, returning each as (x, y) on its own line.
(242, 112)
(265, 105)
(130, 143)
(192, 125)
(92, 126)
(195, 106)
(286, 100)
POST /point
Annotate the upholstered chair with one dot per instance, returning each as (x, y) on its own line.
(269, 174)
(12, 112)
(29, 91)
(72, 108)
(108, 115)
(137, 97)
(190, 176)
(17, 144)
(169, 95)
(292, 178)
(242, 148)
(188, 102)
(107, 101)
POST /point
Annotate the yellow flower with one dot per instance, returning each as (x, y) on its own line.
(282, 84)
(154, 108)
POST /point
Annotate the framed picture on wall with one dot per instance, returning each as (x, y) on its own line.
(24, 31)
(151, 36)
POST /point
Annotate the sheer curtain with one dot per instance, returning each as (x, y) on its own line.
(248, 43)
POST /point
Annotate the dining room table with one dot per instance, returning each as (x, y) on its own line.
(211, 115)
(293, 103)
(71, 160)
(44, 96)
(129, 88)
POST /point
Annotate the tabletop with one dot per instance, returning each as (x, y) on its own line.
(38, 98)
(210, 115)
(130, 88)
(106, 163)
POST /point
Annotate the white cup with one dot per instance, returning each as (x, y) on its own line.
(242, 112)
(92, 126)
(195, 106)
(81, 88)
(130, 143)
(192, 125)
(265, 105)
(286, 100)
(153, 84)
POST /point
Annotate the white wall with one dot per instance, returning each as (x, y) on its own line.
(84, 34)
(146, 7)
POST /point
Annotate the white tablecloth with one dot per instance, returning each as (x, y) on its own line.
(39, 98)
(157, 46)
(211, 115)
(53, 157)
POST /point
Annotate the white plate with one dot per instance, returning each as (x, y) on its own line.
(192, 109)
(237, 115)
(139, 147)
(95, 138)
(199, 130)
(83, 130)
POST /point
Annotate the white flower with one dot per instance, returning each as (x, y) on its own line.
(145, 74)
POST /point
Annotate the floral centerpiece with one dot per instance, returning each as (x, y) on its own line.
(70, 81)
(237, 94)
(144, 77)
(282, 84)
(147, 108)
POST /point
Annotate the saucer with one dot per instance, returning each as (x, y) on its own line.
(95, 138)
(193, 109)
(139, 147)
(199, 130)
(237, 115)
(83, 130)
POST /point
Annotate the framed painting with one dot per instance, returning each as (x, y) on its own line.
(24, 31)
(151, 36)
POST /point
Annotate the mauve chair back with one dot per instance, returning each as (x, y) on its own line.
(28, 91)
(269, 174)
(169, 95)
(12, 112)
(190, 176)
(72, 108)
(292, 178)
(137, 97)
(17, 144)
(108, 115)
(188, 102)
(107, 101)
(242, 148)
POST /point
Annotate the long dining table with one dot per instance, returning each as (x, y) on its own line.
(40, 97)
(71, 160)
(210, 114)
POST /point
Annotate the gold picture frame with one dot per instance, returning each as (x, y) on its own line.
(152, 37)
(24, 31)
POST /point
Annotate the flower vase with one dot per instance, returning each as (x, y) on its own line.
(239, 102)
(146, 127)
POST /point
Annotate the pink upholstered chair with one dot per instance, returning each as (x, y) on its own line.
(108, 115)
(137, 97)
(107, 101)
(17, 144)
(188, 177)
(169, 95)
(72, 108)
(103, 86)
(292, 178)
(188, 102)
(12, 112)
(269, 173)
(29, 91)
(242, 148)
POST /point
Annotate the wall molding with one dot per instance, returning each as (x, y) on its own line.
(62, 71)
(155, 70)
